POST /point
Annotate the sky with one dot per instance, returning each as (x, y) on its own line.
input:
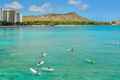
(101, 10)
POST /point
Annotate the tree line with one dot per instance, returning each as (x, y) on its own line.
(55, 23)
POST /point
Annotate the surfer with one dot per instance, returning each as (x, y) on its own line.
(40, 63)
(43, 54)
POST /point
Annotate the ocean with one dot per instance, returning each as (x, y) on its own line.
(95, 54)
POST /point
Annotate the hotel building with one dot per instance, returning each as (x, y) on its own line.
(10, 15)
(1, 15)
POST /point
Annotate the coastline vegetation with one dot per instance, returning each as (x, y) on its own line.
(56, 23)
(6, 23)
(65, 23)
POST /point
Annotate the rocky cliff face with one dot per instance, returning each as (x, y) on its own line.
(116, 22)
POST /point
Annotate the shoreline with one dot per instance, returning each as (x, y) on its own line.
(19, 26)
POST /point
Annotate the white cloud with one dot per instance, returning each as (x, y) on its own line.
(35, 8)
(72, 1)
(82, 7)
(15, 5)
(78, 4)
(43, 9)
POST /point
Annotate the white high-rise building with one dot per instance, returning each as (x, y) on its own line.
(10, 15)
(18, 17)
(1, 14)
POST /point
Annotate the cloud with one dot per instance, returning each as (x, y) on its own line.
(72, 2)
(82, 7)
(43, 9)
(35, 8)
(14, 4)
(78, 4)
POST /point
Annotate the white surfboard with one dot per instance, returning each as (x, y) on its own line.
(34, 71)
(47, 69)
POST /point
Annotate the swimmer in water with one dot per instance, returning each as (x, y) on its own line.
(40, 63)
(43, 54)
(90, 61)
(70, 50)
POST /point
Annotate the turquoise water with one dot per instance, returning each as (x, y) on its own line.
(21, 47)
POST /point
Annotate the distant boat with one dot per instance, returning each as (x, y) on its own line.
(47, 69)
